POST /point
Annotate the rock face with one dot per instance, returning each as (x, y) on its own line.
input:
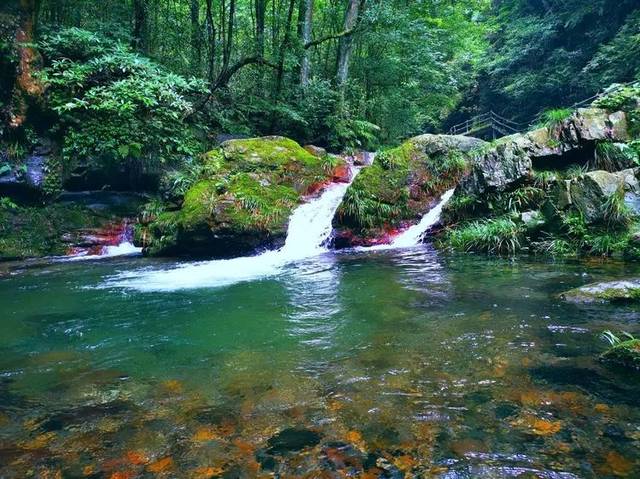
(243, 201)
(623, 290)
(511, 161)
(400, 187)
(25, 179)
(580, 174)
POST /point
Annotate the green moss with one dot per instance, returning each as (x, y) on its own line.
(400, 185)
(248, 186)
(37, 231)
(624, 350)
(259, 154)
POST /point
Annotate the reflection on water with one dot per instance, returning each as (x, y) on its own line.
(384, 364)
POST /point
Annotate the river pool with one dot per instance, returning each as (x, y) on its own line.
(390, 364)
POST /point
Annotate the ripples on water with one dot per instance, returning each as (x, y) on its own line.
(389, 364)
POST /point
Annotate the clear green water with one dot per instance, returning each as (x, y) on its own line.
(388, 364)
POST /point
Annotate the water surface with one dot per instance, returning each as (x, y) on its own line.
(397, 363)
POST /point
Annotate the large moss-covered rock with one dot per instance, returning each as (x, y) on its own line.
(612, 291)
(400, 187)
(243, 202)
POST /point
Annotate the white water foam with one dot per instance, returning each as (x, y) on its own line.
(413, 236)
(309, 229)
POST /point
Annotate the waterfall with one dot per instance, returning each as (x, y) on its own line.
(310, 227)
(413, 235)
(113, 241)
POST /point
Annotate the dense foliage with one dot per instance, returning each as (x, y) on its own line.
(114, 106)
(549, 54)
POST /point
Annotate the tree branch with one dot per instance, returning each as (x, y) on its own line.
(335, 36)
(225, 75)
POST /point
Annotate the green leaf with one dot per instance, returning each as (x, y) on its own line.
(123, 150)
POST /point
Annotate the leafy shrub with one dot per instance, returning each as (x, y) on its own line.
(351, 133)
(117, 108)
(624, 99)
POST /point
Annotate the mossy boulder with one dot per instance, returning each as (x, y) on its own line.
(400, 187)
(612, 291)
(243, 202)
(625, 353)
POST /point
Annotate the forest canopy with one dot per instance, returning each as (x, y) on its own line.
(338, 73)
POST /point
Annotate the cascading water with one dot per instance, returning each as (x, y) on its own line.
(115, 241)
(413, 235)
(307, 235)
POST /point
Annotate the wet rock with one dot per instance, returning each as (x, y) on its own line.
(82, 415)
(316, 151)
(612, 291)
(625, 353)
(339, 456)
(532, 219)
(24, 182)
(590, 191)
(292, 440)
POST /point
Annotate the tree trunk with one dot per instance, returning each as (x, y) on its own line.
(228, 42)
(261, 12)
(307, 26)
(27, 86)
(139, 35)
(346, 42)
(283, 51)
(211, 41)
(196, 38)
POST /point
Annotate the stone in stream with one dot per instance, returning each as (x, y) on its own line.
(625, 353)
(292, 440)
(612, 291)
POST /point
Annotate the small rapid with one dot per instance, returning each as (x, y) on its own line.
(310, 228)
(120, 245)
(413, 236)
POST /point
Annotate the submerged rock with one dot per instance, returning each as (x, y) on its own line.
(623, 290)
(292, 440)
